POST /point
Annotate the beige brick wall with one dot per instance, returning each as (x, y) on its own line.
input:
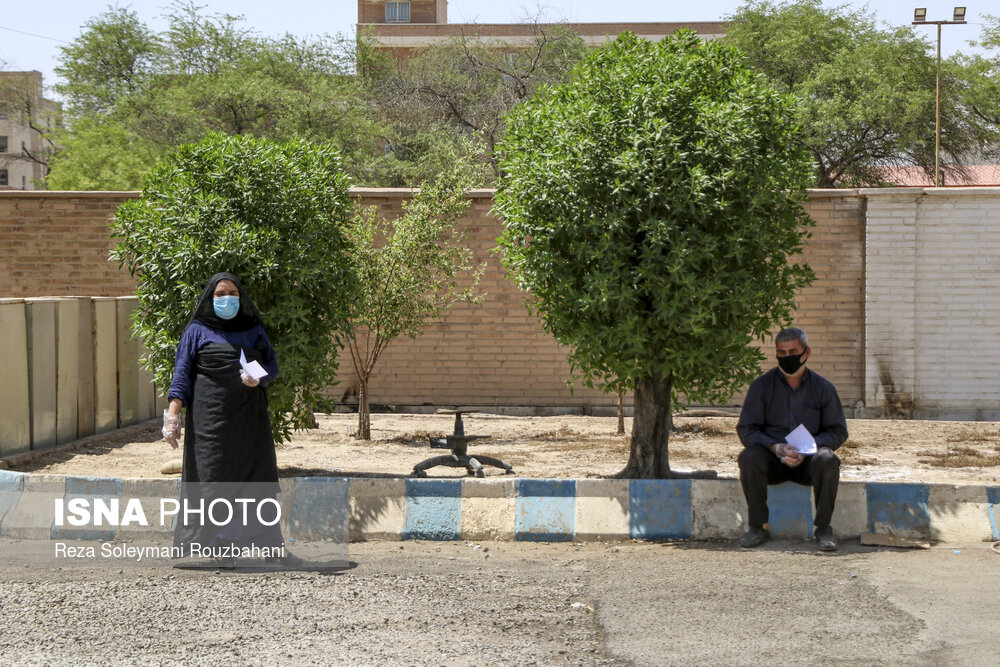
(492, 354)
(831, 310)
(57, 243)
(496, 354)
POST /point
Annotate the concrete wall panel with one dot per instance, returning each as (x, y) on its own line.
(41, 315)
(105, 320)
(68, 369)
(85, 369)
(15, 420)
(128, 365)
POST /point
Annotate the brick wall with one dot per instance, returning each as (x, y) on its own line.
(421, 11)
(933, 289)
(831, 310)
(490, 354)
(57, 243)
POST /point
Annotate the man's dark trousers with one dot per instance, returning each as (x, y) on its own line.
(759, 467)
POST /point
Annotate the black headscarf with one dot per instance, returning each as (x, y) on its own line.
(247, 318)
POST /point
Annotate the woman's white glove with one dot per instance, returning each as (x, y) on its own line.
(247, 380)
(171, 428)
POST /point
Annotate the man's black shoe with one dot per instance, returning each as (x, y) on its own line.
(827, 542)
(754, 537)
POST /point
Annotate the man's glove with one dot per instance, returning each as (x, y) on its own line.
(171, 428)
(247, 380)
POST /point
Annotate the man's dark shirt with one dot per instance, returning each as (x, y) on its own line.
(772, 409)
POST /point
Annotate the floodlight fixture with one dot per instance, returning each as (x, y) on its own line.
(959, 14)
(919, 14)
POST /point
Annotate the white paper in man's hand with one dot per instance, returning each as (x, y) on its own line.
(253, 368)
(801, 440)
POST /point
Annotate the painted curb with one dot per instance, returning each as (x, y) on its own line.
(546, 510)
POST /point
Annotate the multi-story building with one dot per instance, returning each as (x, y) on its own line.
(27, 120)
(403, 27)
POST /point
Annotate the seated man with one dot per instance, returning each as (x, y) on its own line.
(776, 403)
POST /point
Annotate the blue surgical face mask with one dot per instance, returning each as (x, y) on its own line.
(226, 307)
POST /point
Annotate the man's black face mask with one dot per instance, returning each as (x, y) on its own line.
(791, 363)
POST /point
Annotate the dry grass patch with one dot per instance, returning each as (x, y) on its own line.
(962, 456)
(419, 439)
(562, 433)
(610, 444)
(701, 428)
(968, 435)
(850, 455)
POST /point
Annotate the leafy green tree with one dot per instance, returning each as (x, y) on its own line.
(470, 86)
(650, 205)
(277, 216)
(101, 154)
(203, 74)
(409, 271)
(978, 82)
(112, 59)
(866, 93)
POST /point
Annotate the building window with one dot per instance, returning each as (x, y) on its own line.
(397, 12)
(24, 183)
(3, 177)
(3, 144)
(3, 115)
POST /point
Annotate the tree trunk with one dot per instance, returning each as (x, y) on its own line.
(621, 414)
(364, 412)
(651, 423)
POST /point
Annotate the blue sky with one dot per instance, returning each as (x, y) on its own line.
(54, 22)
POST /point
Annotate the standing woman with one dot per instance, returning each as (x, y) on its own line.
(227, 434)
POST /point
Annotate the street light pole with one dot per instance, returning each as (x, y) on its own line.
(920, 18)
(937, 116)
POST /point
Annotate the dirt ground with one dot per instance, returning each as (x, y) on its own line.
(559, 446)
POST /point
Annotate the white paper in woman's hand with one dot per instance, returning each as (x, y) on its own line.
(253, 368)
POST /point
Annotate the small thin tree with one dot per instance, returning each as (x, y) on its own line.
(409, 271)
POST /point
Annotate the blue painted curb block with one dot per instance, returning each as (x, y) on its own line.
(789, 510)
(545, 510)
(993, 498)
(320, 509)
(433, 509)
(899, 509)
(526, 509)
(11, 486)
(90, 488)
(660, 509)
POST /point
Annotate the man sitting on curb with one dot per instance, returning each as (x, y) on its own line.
(776, 404)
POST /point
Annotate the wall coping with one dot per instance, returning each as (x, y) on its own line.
(68, 194)
(830, 193)
(988, 190)
(485, 193)
(474, 193)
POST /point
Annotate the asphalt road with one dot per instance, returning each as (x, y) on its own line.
(426, 603)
